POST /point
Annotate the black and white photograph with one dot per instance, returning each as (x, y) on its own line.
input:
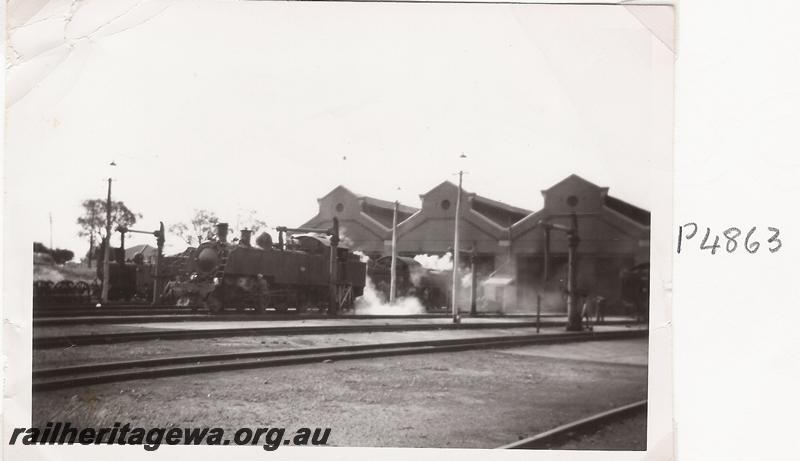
(278, 225)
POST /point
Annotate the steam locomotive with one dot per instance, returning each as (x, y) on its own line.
(305, 270)
(430, 287)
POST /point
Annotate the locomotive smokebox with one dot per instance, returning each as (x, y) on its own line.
(222, 232)
(244, 239)
(207, 260)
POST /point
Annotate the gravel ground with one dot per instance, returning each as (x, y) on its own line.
(622, 351)
(481, 399)
(52, 358)
(627, 434)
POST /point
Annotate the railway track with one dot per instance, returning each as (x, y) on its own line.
(84, 375)
(94, 305)
(189, 316)
(100, 312)
(49, 342)
(559, 435)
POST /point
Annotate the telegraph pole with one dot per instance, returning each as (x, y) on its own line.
(106, 253)
(393, 279)
(456, 250)
(51, 230)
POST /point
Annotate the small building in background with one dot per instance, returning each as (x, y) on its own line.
(148, 253)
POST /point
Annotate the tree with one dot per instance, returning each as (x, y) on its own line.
(93, 221)
(200, 228)
(182, 231)
(61, 256)
(250, 221)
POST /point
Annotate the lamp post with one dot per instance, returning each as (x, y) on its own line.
(457, 246)
(107, 251)
(393, 270)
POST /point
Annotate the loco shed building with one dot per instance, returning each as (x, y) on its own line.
(506, 242)
(614, 236)
(365, 222)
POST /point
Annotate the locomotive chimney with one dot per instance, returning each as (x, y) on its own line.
(244, 240)
(222, 232)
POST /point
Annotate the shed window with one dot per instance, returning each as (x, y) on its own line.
(572, 201)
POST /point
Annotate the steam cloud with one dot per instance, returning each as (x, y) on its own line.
(372, 302)
(344, 240)
(439, 263)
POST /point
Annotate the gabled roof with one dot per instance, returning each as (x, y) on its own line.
(376, 202)
(335, 189)
(631, 211)
(372, 201)
(502, 213)
(498, 212)
(612, 210)
(146, 250)
(439, 186)
(573, 177)
(385, 216)
(376, 214)
(383, 210)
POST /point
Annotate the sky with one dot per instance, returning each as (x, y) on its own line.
(235, 106)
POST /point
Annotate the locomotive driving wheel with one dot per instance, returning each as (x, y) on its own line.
(214, 303)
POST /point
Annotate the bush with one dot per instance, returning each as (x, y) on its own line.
(59, 255)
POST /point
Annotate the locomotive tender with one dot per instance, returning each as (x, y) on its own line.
(309, 270)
